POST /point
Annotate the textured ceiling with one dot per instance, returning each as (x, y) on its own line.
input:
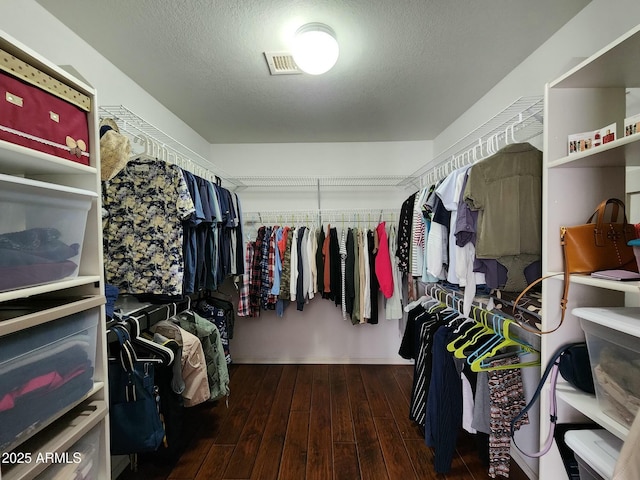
(407, 68)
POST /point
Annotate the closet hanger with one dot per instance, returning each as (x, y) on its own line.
(126, 328)
(423, 300)
(410, 306)
(483, 362)
(149, 152)
(165, 353)
(513, 126)
(458, 309)
(485, 344)
(466, 339)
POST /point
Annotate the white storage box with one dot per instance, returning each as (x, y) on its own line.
(41, 231)
(44, 370)
(81, 461)
(596, 452)
(614, 352)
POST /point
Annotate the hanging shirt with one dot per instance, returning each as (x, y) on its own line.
(383, 262)
(444, 403)
(418, 234)
(273, 247)
(256, 273)
(343, 272)
(404, 234)
(449, 194)
(362, 260)
(320, 260)
(192, 362)
(302, 274)
(285, 279)
(239, 238)
(393, 307)
(355, 311)
(312, 245)
(293, 284)
(275, 288)
(349, 279)
(244, 309)
(326, 255)
(147, 201)
(336, 279)
(507, 190)
(366, 287)
(211, 339)
(374, 287)
(265, 269)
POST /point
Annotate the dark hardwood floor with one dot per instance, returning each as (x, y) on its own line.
(313, 422)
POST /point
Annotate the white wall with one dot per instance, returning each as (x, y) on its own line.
(318, 334)
(321, 160)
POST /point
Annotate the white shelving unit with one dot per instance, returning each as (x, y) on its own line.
(49, 303)
(586, 98)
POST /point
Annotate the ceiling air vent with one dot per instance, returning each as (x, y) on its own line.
(281, 63)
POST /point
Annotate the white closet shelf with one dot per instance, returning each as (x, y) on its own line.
(19, 160)
(49, 287)
(46, 315)
(588, 405)
(628, 287)
(624, 151)
(613, 66)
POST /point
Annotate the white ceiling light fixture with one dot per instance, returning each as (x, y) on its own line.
(315, 48)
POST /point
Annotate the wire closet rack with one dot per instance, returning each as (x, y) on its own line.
(163, 144)
(350, 216)
(520, 121)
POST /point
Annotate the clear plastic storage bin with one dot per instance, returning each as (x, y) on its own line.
(596, 452)
(41, 231)
(44, 370)
(81, 461)
(614, 352)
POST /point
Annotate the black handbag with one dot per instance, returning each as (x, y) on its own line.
(572, 362)
(134, 415)
(575, 367)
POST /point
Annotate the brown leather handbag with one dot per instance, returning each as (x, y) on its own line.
(596, 245)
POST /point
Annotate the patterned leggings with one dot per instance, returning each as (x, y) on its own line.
(506, 401)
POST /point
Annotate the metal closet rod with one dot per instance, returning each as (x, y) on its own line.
(319, 215)
(455, 299)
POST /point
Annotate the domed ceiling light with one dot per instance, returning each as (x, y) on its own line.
(315, 48)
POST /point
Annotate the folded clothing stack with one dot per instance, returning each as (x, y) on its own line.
(618, 375)
(34, 256)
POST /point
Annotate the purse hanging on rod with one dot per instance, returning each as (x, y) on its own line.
(134, 414)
